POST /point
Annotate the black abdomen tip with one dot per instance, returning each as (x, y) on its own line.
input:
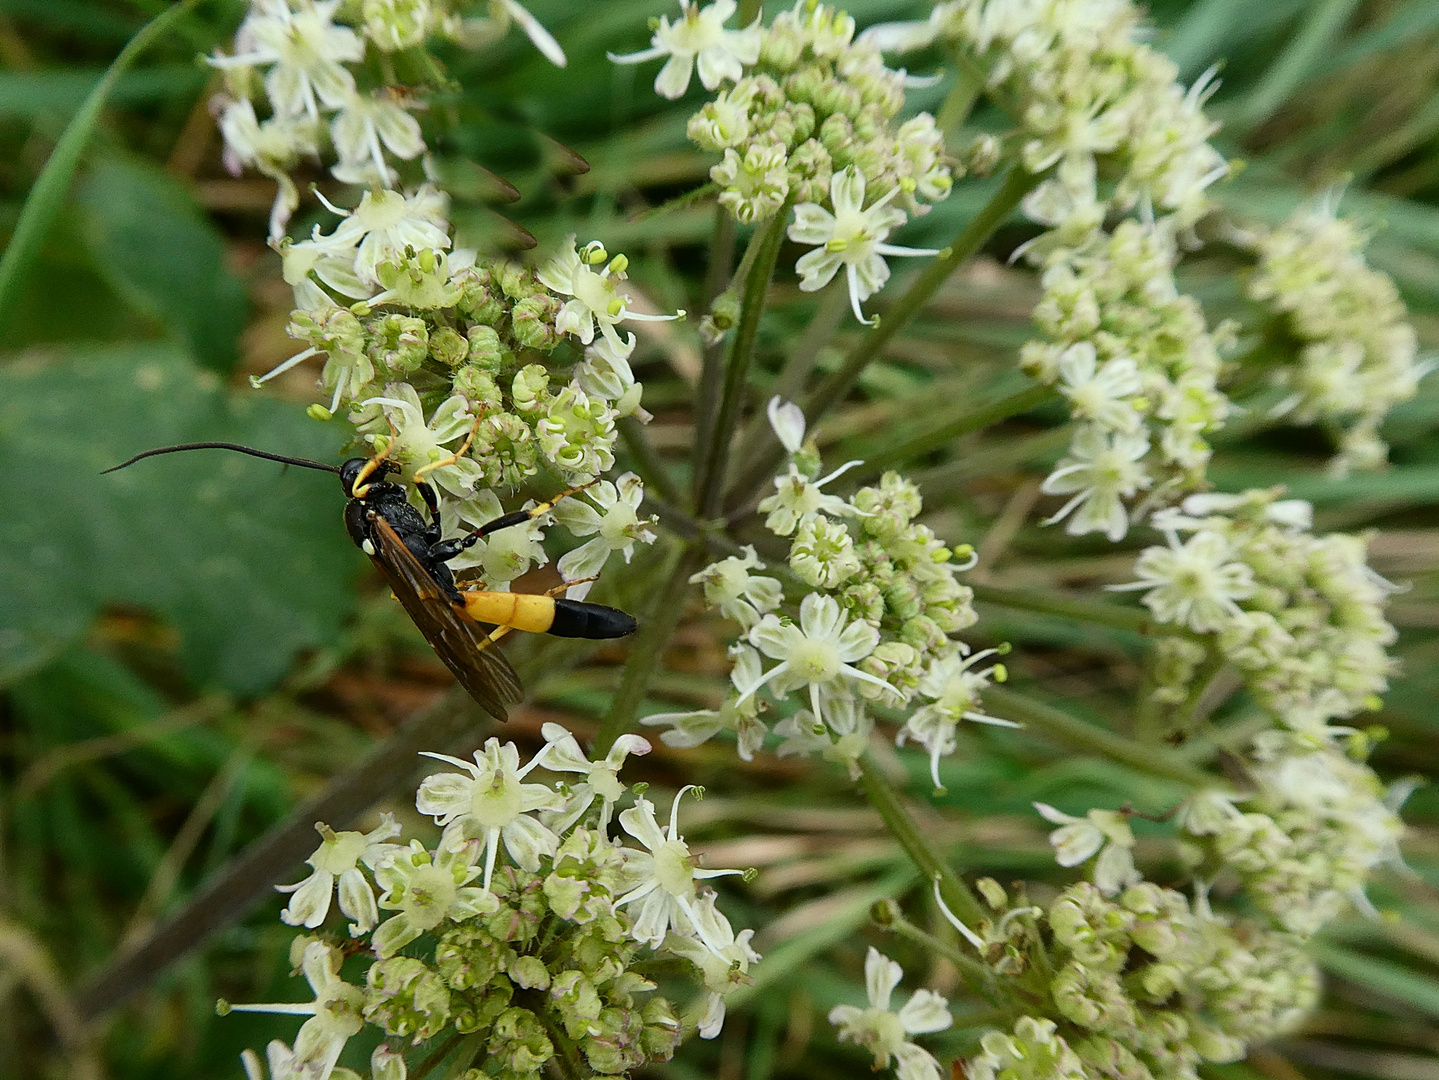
(574, 618)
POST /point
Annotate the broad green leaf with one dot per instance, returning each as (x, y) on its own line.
(154, 245)
(248, 560)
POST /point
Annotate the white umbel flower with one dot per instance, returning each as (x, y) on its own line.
(364, 128)
(1105, 833)
(504, 555)
(595, 297)
(491, 804)
(1195, 583)
(334, 1016)
(1101, 394)
(337, 860)
(384, 224)
(699, 39)
(852, 237)
(723, 969)
(819, 653)
(304, 50)
(666, 872)
(616, 526)
(418, 442)
(883, 1031)
(601, 778)
(954, 689)
(1100, 472)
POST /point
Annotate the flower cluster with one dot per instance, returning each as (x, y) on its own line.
(437, 356)
(309, 66)
(1357, 351)
(1304, 843)
(810, 120)
(1090, 100)
(532, 925)
(1132, 355)
(1139, 368)
(1145, 985)
(881, 599)
(1302, 616)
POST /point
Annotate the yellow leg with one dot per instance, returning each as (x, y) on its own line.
(360, 488)
(458, 454)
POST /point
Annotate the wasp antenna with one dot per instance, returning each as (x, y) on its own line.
(305, 463)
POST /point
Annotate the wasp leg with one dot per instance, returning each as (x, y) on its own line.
(432, 501)
(458, 454)
(450, 548)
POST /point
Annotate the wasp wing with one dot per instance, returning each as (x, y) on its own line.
(460, 642)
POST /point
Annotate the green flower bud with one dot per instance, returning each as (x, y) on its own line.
(516, 280)
(468, 956)
(478, 387)
(448, 347)
(533, 319)
(530, 389)
(661, 1037)
(399, 344)
(529, 972)
(407, 998)
(505, 448)
(1092, 998)
(519, 1045)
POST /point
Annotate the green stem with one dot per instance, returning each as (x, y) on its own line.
(980, 977)
(652, 469)
(430, 1063)
(975, 420)
(47, 195)
(922, 851)
(1096, 612)
(1016, 185)
(1154, 760)
(469, 1050)
(707, 393)
(654, 634)
(969, 83)
(765, 245)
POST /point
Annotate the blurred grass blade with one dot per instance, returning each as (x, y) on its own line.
(1393, 981)
(45, 198)
(1200, 35)
(1317, 33)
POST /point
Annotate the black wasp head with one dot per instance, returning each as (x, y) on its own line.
(356, 467)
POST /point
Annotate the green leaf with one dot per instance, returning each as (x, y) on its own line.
(47, 195)
(246, 559)
(155, 246)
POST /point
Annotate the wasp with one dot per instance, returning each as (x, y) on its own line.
(410, 552)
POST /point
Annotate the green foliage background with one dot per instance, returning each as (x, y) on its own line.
(190, 648)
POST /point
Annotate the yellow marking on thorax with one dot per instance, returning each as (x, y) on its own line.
(520, 611)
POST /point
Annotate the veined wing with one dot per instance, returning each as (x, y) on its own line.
(460, 642)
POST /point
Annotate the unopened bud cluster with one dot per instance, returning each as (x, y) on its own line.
(527, 929)
(480, 373)
(1140, 985)
(1357, 350)
(308, 78)
(881, 596)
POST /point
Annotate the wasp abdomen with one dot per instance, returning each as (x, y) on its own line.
(574, 618)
